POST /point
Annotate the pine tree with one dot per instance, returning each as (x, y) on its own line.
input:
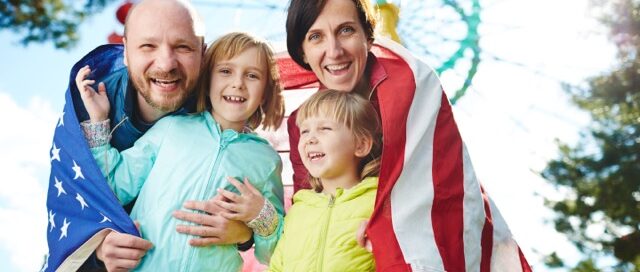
(600, 212)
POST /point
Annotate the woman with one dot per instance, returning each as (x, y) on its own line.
(430, 214)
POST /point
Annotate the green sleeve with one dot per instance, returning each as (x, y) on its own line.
(276, 259)
(126, 171)
(272, 191)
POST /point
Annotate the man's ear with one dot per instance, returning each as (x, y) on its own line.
(363, 147)
(204, 48)
(124, 42)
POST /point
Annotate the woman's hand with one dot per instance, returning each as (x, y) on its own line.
(96, 103)
(244, 206)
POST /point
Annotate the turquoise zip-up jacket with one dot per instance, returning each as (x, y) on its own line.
(187, 157)
(320, 231)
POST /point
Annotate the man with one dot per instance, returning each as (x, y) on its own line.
(162, 59)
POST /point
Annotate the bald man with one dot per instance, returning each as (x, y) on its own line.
(163, 50)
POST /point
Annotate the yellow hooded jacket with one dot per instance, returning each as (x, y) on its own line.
(320, 231)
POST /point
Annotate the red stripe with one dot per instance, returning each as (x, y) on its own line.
(292, 75)
(448, 185)
(395, 96)
(487, 235)
(523, 262)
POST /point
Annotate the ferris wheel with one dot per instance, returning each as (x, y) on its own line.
(442, 32)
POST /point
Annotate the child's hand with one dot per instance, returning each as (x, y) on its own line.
(361, 237)
(244, 207)
(96, 103)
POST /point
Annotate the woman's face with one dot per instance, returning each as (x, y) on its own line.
(336, 46)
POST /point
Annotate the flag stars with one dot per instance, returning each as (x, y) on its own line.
(76, 168)
(81, 200)
(51, 222)
(59, 187)
(64, 228)
(61, 120)
(104, 218)
(46, 264)
(55, 153)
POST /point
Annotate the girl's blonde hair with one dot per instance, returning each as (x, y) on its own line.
(354, 112)
(271, 110)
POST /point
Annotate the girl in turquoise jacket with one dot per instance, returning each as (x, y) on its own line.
(340, 147)
(185, 157)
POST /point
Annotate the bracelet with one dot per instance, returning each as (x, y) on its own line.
(97, 134)
(266, 222)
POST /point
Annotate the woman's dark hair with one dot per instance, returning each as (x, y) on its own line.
(303, 13)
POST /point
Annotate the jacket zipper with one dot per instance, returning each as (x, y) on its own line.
(216, 164)
(324, 234)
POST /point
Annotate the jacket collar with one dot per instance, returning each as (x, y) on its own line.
(311, 198)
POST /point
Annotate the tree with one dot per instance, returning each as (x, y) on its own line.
(47, 20)
(600, 211)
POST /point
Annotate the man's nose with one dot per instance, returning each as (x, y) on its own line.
(166, 59)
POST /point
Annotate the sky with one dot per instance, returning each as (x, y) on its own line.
(510, 118)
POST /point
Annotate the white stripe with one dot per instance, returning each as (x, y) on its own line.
(411, 196)
(474, 215)
(411, 199)
(505, 256)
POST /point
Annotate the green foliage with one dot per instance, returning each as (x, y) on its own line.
(553, 261)
(41, 21)
(601, 174)
(587, 265)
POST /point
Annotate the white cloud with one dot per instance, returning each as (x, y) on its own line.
(25, 140)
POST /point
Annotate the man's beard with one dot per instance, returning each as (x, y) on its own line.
(166, 103)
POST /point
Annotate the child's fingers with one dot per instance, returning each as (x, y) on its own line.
(368, 246)
(82, 74)
(87, 82)
(227, 206)
(233, 197)
(238, 185)
(230, 216)
(361, 236)
(220, 197)
(250, 187)
(102, 89)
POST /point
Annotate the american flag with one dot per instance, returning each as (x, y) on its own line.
(431, 212)
(81, 207)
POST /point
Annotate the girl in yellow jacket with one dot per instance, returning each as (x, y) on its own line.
(340, 147)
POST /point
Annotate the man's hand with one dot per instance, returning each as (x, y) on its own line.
(96, 103)
(121, 251)
(213, 228)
